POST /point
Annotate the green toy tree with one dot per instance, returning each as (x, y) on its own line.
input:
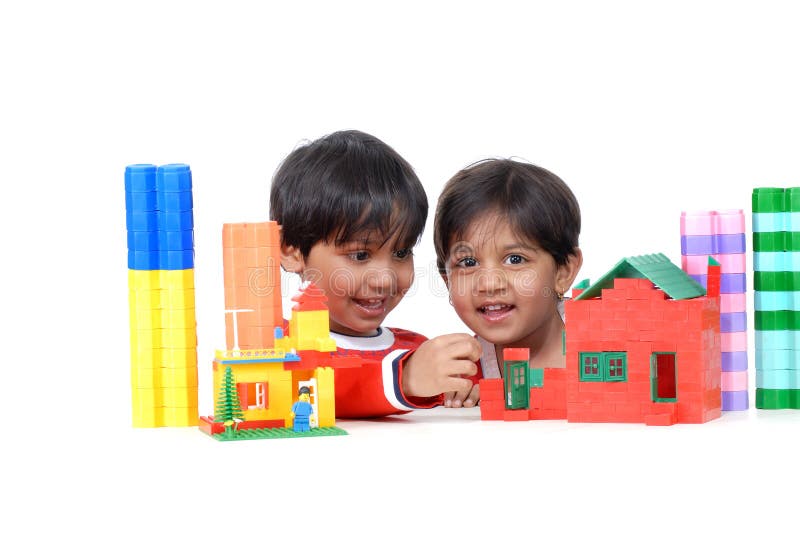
(228, 409)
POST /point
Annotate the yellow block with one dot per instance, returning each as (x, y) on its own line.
(145, 339)
(179, 397)
(144, 279)
(147, 417)
(145, 319)
(178, 357)
(145, 398)
(177, 298)
(177, 279)
(142, 300)
(178, 318)
(163, 377)
(149, 358)
(181, 416)
(179, 338)
(326, 400)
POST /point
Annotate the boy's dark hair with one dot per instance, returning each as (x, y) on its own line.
(537, 204)
(342, 184)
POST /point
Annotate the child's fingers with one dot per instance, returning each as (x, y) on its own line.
(448, 399)
(457, 385)
(473, 397)
(459, 397)
(461, 367)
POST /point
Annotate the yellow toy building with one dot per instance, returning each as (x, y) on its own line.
(258, 377)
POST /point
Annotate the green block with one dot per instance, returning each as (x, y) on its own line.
(536, 377)
(277, 433)
(777, 320)
(777, 241)
(792, 201)
(776, 281)
(769, 200)
(777, 398)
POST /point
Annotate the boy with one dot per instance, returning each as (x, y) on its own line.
(350, 210)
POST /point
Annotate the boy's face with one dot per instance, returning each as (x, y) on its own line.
(363, 279)
(502, 287)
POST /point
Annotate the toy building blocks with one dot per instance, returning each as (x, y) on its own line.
(163, 330)
(721, 235)
(643, 345)
(283, 381)
(776, 282)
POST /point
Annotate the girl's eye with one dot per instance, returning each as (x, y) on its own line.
(358, 255)
(515, 259)
(403, 253)
(467, 262)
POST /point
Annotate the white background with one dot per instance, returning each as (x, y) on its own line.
(644, 109)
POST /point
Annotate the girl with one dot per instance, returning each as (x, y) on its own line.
(506, 238)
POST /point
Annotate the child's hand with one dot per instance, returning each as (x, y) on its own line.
(437, 366)
(467, 399)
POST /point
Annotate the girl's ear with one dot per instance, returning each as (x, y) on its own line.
(292, 259)
(566, 274)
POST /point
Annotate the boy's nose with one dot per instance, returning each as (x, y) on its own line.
(383, 279)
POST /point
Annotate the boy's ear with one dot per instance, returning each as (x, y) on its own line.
(292, 259)
(566, 274)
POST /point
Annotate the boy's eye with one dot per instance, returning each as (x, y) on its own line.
(467, 262)
(358, 255)
(515, 259)
(403, 253)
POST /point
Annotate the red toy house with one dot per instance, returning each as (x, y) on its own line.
(643, 345)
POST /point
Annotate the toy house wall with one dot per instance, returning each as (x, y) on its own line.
(639, 320)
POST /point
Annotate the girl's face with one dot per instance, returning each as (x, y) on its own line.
(502, 286)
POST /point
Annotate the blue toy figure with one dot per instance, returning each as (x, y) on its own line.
(302, 410)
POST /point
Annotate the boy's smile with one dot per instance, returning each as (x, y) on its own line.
(364, 279)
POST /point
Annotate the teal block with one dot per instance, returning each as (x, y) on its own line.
(778, 379)
(777, 340)
(777, 301)
(777, 359)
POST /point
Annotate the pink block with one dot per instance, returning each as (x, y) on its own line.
(732, 303)
(730, 263)
(710, 222)
(734, 342)
(734, 381)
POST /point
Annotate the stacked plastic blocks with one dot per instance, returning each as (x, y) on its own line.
(721, 235)
(158, 204)
(776, 261)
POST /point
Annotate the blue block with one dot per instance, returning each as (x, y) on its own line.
(712, 244)
(734, 361)
(174, 201)
(777, 340)
(143, 260)
(729, 283)
(176, 260)
(777, 359)
(732, 322)
(140, 178)
(778, 379)
(776, 261)
(143, 240)
(734, 400)
(141, 221)
(175, 221)
(176, 240)
(141, 201)
(174, 178)
(776, 222)
(777, 300)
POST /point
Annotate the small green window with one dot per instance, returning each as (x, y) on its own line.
(603, 367)
(590, 367)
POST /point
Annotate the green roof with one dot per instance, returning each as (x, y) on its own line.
(656, 267)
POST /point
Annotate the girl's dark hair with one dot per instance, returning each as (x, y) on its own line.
(537, 204)
(342, 184)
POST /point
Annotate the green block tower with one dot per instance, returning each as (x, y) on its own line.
(776, 261)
